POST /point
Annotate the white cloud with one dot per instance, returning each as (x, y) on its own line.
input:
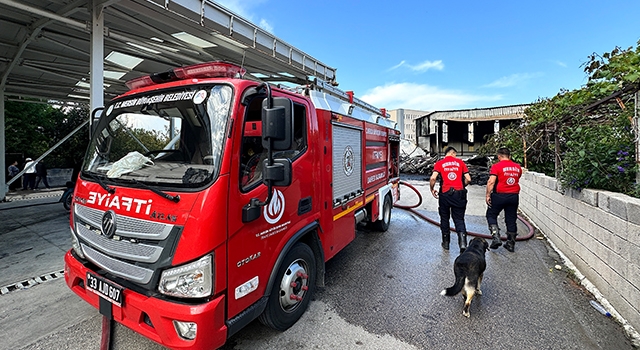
(397, 65)
(422, 97)
(421, 67)
(243, 8)
(560, 63)
(266, 25)
(512, 80)
(426, 65)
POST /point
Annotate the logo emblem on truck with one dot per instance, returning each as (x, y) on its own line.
(109, 224)
(348, 159)
(273, 212)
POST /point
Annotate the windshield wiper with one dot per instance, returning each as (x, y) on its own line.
(106, 187)
(174, 199)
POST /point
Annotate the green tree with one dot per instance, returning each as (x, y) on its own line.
(33, 128)
(125, 142)
(588, 129)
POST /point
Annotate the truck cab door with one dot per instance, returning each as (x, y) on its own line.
(254, 246)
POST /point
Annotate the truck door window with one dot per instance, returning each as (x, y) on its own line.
(252, 153)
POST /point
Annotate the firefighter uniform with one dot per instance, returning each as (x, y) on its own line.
(504, 196)
(452, 198)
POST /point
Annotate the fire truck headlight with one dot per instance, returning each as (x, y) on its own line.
(192, 280)
(75, 244)
(186, 330)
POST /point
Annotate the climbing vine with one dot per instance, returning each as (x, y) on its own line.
(584, 136)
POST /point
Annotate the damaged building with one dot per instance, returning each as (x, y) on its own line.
(464, 129)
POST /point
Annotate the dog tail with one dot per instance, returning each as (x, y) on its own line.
(455, 289)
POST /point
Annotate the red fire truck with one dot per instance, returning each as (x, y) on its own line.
(207, 200)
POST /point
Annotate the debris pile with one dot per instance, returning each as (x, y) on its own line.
(413, 160)
(422, 165)
(478, 169)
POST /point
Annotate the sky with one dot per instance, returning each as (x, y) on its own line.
(445, 55)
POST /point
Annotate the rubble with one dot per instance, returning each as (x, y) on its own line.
(409, 149)
(422, 165)
(478, 169)
(414, 160)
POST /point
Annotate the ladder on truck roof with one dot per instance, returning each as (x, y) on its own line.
(241, 42)
(326, 96)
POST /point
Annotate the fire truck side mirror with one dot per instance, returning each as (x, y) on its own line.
(277, 123)
(279, 173)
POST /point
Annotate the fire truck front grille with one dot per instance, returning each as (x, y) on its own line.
(133, 251)
(119, 268)
(127, 226)
(121, 249)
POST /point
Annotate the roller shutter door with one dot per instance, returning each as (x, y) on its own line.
(347, 163)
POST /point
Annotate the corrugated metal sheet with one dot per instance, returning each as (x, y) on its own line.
(45, 45)
(481, 114)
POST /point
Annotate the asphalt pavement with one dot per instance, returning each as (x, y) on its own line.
(382, 292)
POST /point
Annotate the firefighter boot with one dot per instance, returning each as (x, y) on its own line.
(495, 233)
(511, 241)
(462, 241)
(445, 240)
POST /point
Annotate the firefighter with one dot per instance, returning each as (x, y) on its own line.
(503, 189)
(452, 196)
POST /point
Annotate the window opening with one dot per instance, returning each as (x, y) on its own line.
(252, 152)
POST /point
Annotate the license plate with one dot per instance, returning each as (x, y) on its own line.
(105, 288)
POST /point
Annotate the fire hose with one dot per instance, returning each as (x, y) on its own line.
(476, 234)
(106, 340)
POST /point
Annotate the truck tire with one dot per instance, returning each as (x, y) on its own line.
(292, 290)
(382, 225)
(66, 200)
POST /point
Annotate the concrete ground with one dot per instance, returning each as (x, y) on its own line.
(32, 238)
(388, 284)
(382, 292)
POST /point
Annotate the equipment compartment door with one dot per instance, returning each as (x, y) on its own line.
(347, 162)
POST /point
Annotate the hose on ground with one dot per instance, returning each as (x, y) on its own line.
(476, 234)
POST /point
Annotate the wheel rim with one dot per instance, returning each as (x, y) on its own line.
(387, 212)
(294, 285)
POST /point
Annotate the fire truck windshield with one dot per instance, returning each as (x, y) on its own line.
(168, 138)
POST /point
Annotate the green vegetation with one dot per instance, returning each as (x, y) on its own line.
(129, 141)
(590, 130)
(33, 128)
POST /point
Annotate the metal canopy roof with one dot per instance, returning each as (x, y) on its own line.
(45, 45)
(46, 48)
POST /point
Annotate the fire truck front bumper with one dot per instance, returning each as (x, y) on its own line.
(154, 318)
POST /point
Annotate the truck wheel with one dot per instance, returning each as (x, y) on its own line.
(66, 201)
(382, 225)
(293, 289)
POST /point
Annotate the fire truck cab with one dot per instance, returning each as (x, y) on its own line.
(207, 200)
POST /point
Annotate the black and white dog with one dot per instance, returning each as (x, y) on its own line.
(469, 268)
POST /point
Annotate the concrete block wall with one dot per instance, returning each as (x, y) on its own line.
(598, 231)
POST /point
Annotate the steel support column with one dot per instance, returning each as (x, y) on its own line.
(97, 58)
(3, 180)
